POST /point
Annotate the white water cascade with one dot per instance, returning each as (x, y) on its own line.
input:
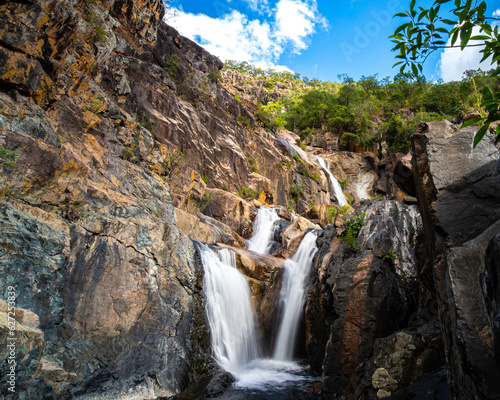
(229, 310)
(293, 296)
(263, 230)
(337, 189)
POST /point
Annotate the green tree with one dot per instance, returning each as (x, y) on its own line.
(426, 31)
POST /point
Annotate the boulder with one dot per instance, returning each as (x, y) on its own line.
(292, 235)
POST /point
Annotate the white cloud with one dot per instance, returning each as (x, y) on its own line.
(258, 5)
(496, 13)
(454, 62)
(236, 37)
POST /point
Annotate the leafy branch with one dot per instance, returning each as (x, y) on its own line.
(426, 31)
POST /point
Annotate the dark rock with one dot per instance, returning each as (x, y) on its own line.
(491, 290)
(458, 196)
(433, 387)
(403, 175)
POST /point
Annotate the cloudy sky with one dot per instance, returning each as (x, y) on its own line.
(317, 38)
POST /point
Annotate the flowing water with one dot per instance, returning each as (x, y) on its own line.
(337, 189)
(263, 228)
(232, 327)
(229, 310)
(293, 296)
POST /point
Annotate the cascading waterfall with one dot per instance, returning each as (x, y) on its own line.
(232, 324)
(293, 296)
(263, 228)
(229, 310)
(337, 189)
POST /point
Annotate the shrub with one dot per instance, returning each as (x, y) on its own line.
(352, 228)
(172, 65)
(172, 163)
(249, 193)
(331, 214)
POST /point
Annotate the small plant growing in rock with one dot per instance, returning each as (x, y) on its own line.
(237, 98)
(215, 77)
(205, 201)
(253, 165)
(245, 121)
(142, 122)
(172, 65)
(331, 214)
(127, 153)
(7, 167)
(204, 178)
(314, 176)
(172, 163)
(297, 189)
(390, 256)
(303, 146)
(344, 210)
(95, 105)
(249, 193)
(312, 203)
(344, 183)
(352, 228)
(290, 205)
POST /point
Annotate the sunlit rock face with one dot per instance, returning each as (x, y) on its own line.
(88, 226)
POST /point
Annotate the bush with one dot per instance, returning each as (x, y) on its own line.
(331, 214)
(352, 228)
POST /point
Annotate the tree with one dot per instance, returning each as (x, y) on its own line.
(426, 31)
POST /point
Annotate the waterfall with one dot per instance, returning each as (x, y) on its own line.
(293, 296)
(337, 189)
(229, 310)
(261, 241)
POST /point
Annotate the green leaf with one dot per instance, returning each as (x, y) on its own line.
(487, 94)
(480, 37)
(465, 34)
(414, 69)
(480, 134)
(454, 37)
(471, 122)
(400, 15)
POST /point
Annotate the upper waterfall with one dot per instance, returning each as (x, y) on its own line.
(263, 230)
(337, 189)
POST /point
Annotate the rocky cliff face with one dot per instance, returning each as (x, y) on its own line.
(458, 193)
(88, 227)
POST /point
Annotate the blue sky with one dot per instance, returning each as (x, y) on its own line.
(317, 38)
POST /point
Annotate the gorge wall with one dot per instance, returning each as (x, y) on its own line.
(97, 100)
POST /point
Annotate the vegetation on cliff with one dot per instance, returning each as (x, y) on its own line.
(367, 111)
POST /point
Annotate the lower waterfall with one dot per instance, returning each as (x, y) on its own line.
(293, 296)
(261, 241)
(229, 311)
(233, 328)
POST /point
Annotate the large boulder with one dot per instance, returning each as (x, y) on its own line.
(458, 191)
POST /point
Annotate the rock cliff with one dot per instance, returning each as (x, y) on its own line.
(458, 194)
